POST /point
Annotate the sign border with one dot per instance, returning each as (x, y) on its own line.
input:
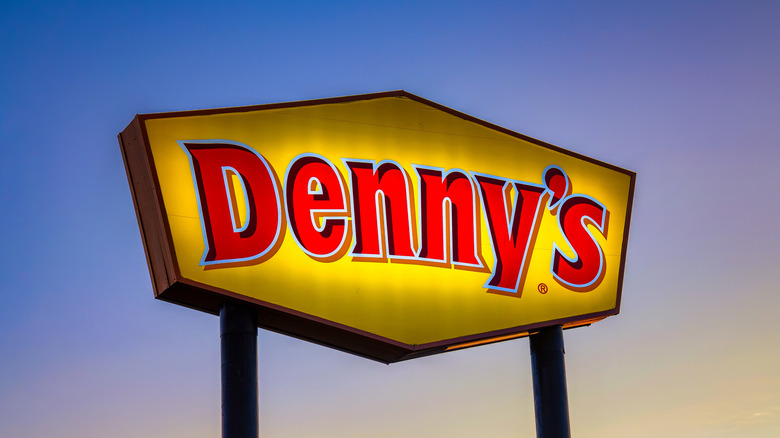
(169, 284)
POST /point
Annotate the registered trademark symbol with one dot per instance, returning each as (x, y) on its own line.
(542, 288)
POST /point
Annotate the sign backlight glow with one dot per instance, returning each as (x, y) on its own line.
(384, 224)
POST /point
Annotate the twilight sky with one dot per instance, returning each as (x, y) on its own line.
(685, 93)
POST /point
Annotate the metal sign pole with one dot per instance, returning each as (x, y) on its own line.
(238, 340)
(549, 376)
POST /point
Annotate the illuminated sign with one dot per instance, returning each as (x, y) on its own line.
(384, 225)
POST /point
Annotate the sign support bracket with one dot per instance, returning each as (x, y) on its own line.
(549, 379)
(238, 345)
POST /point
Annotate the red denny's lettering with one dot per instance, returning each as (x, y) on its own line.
(373, 214)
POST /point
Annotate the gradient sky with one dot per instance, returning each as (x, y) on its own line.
(685, 93)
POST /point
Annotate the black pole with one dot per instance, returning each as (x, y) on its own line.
(238, 340)
(549, 375)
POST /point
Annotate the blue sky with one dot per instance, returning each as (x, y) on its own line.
(685, 93)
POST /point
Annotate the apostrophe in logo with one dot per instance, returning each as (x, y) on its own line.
(243, 210)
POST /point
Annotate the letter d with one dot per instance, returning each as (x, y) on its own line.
(216, 167)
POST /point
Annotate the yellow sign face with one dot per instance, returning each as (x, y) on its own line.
(384, 225)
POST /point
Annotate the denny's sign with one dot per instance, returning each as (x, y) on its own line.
(384, 225)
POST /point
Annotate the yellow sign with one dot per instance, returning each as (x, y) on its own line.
(385, 225)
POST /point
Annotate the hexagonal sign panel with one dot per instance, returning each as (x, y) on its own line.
(384, 225)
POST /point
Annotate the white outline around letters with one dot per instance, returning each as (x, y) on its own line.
(509, 219)
(445, 225)
(383, 244)
(203, 262)
(557, 249)
(312, 212)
